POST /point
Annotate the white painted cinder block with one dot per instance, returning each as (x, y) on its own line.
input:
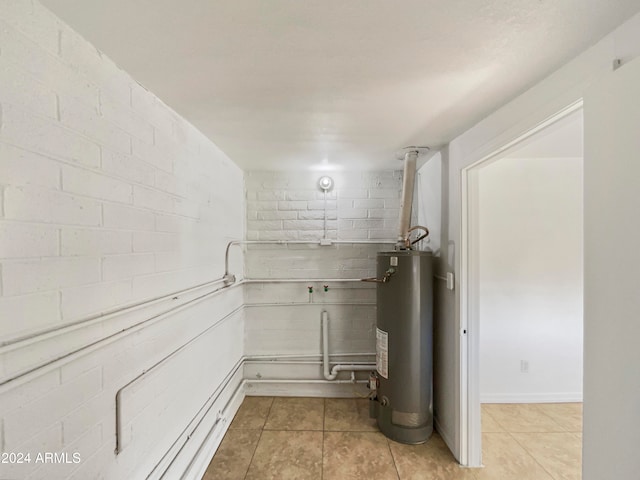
(94, 66)
(23, 240)
(48, 206)
(76, 241)
(155, 242)
(152, 109)
(23, 314)
(128, 218)
(47, 68)
(80, 302)
(20, 88)
(35, 23)
(128, 167)
(21, 167)
(26, 276)
(359, 213)
(49, 439)
(152, 199)
(80, 118)
(125, 118)
(150, 153)
(174, 223)
(29, 418)
(102, 185)
(118, 267)
(24, 129)
(95, 185)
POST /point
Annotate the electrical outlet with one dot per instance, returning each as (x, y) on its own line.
(524, 366)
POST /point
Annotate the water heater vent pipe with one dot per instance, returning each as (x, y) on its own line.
(408, 182)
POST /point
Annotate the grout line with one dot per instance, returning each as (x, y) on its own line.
(494, 419)
(324, 417)
(392, 458)
(252, 454)
(530, 454)
(259, 438)
(539, 410)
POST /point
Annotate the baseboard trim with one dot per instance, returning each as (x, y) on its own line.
(566, 397)
(212, 441)
(191, 455)
(445, 436)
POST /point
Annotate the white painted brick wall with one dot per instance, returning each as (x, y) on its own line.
(284, 318)
(22, 128)
(107, 198)
(33, 204)
(27, 168)
(284, 205)
(28, 313)
(95, 185)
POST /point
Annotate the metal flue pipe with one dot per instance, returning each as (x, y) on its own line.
(408, 182)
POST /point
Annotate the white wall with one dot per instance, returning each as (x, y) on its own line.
(612, 269)
(428, 203)
(283, 319)
(107, 198)
(544, 99)
(530, 276)
(432, 194)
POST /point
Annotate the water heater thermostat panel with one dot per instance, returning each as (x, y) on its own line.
(393, 261)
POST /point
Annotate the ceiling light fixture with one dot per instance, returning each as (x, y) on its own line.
(325, 183)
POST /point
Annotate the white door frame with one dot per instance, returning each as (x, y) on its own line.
(471, 435)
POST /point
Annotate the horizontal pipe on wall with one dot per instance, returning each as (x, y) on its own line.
(229, 276)
(300, 280)
(23, 341)
(295, 304)
(364, 242)
(222, 417)
(38, 370)
(331, 373)
(305, 355)
(240, 388)
(150, 369)
(200, 415)
(298, 380)
(356, 365)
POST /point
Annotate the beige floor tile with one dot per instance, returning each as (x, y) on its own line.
(489, 424)
(348, 415)
(522, 417)
(568, 415)
(429, 461)
(232, 459)
(560, 454)
(505, 459)
(287, 455)
(357, 455)
(296, 414)
(252, 413)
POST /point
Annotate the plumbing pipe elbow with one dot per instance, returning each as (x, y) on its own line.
(328, 375)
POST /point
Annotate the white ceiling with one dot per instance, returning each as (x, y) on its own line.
(331, 84)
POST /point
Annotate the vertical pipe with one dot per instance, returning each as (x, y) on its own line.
(408, 182)
(325, 214)
(325, 347)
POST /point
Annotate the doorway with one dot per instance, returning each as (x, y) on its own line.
(522, 273)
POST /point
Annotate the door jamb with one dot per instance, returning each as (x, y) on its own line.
(471, 435)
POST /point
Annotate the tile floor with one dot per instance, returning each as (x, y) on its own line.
(316, 438)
